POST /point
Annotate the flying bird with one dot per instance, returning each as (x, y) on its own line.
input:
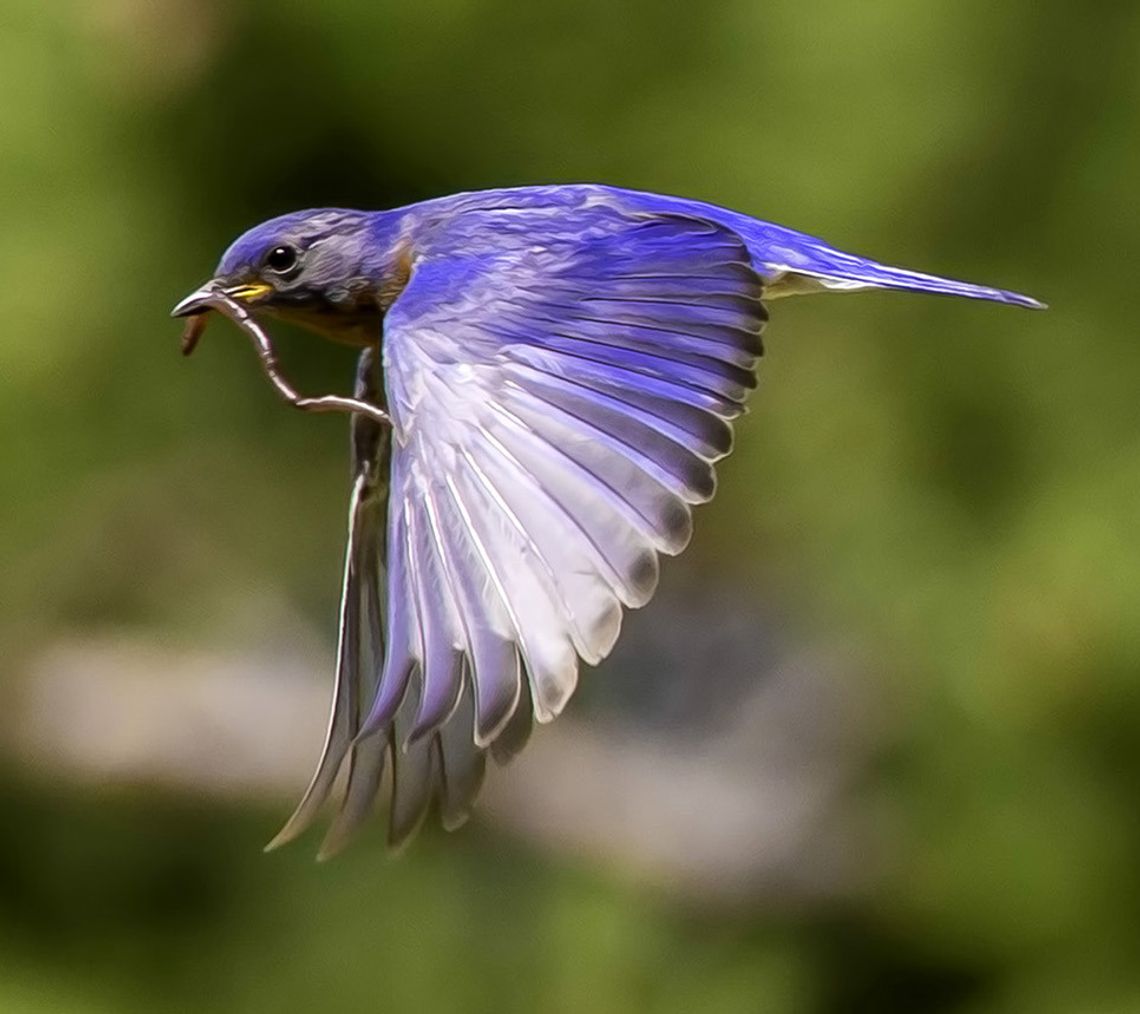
(547, 378)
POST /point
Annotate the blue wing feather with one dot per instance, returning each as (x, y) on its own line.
(558, 402)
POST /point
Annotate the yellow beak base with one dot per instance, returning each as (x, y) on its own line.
(249, 293)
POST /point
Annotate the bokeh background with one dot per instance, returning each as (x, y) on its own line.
(877, 746)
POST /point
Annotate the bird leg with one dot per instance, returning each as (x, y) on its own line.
(234, 310)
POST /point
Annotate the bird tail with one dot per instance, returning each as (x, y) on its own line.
(793, 262)
(820, 268)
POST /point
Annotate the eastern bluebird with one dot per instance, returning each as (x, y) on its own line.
(547, 377)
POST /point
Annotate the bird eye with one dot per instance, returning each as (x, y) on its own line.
(281, 259)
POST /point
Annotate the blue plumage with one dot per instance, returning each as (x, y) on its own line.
(775, 251)
(561, 366)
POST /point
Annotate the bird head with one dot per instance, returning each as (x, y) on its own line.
(312, 268)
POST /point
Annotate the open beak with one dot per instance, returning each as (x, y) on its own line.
(198, 300)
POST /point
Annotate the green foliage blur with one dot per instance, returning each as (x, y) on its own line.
(949, 487)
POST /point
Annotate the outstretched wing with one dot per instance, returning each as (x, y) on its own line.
(560, 387)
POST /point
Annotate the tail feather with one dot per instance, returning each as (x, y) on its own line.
(811, 266)
(793, 262)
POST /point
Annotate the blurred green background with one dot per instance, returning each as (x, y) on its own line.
(942, 493)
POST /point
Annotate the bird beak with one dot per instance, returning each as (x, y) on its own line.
(199, 300)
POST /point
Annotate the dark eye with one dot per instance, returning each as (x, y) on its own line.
(281, 259)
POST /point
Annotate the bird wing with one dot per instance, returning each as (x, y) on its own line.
(560, 386)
